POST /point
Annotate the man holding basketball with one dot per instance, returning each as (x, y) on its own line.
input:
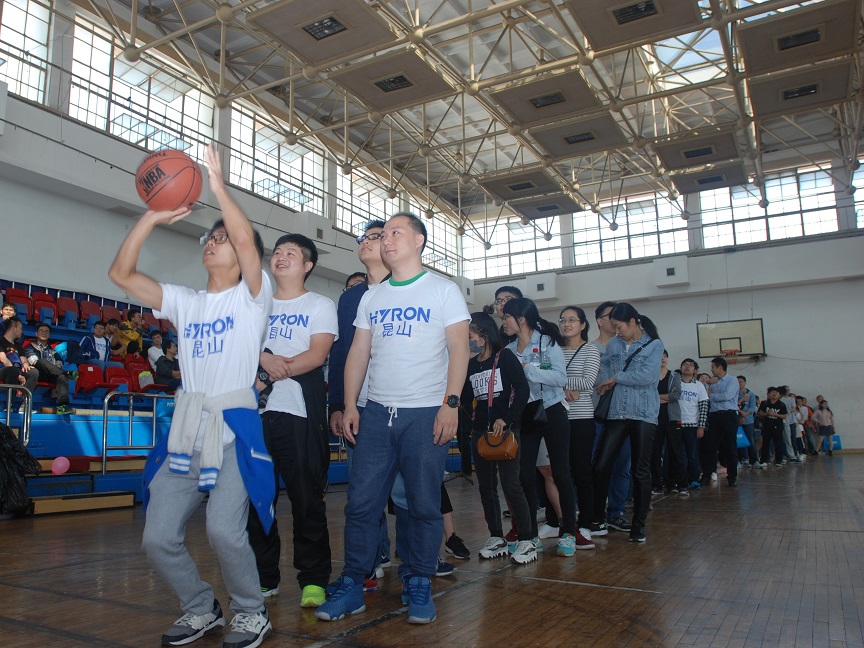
(215, 445)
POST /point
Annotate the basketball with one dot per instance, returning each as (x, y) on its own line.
(168, 180)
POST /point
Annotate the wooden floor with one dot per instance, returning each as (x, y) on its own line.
(775, 562)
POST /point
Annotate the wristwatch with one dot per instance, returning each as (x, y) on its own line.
(452, 401)
(264, 377)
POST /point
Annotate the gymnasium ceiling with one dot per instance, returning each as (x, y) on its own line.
(546, 106)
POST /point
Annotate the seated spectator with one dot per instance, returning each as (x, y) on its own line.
(8, 311)
(168, 367)
(16, 369)
(112, 327)
(130, 331)
(95, 348)
(155, 351)
(133, 354)
(41, 355)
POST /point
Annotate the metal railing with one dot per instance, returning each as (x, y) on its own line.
(130, 445)
(27, 405)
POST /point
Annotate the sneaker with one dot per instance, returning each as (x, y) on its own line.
(312, 596)
(385, 562)
(620, 524)
(269, 592)
(544, 532)
(733, 483)
(456, 548)
(683, 492)
(379, 572)
(598, 529)
(796, 460)
(62, 410)
(347, 599)
(637, 536)
(778, 465)
(657, 490)
(695, 485)
(566, 545)
(506, 513)
(713, 476)
(760, 465)
(583, 539)
(524, 553)
(370, 583)
(537, 544)
(190, 627)
(248, 630)
(421, 608)
(443, 569)
(494, 548)
(405, 578)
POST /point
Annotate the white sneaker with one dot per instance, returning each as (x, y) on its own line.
(248, 630)
(494, 548)
(714, 476)
(379, 572)
(524, 553)
(544, 531)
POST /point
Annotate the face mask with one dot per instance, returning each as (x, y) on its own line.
(474, 347)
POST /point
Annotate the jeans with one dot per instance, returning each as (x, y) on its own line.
(641, 435)
(392, 440)
(581, 454)
(691, 453)
(720, 437)
(301, 457)
(556, 432)
(488, 473)
(173, 499)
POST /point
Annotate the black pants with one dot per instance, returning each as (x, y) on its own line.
(488, 473)
(582, 432)
(773, 435)
(301, 458)
(675, 455)
(49, 372)
(641, 435)
(657, 467)
(9, 376)
(720, 437)
(464, 439)
(556, 431)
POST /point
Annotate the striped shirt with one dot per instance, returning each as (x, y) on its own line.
(583, 367)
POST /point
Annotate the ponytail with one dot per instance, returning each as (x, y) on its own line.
(648, 326)
(624, 312)
(547, 328)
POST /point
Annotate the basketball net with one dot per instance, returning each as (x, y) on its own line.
(731, 356)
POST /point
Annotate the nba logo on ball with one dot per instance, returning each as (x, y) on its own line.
(168, 180)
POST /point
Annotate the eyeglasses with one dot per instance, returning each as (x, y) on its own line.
(569, 320)
(218, 239)
(350, 286)
(605, 315)
(369, 237)
(502, 300)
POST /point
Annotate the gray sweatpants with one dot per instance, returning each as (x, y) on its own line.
(173, 499)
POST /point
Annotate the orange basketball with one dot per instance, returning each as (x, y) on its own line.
(168, 180)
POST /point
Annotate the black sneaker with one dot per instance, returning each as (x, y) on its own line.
(191, 627)
(248, 630)
(598, 529)
(637, 536)
(620, 524)
(456, 548)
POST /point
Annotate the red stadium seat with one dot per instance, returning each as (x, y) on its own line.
(110, 311)
(151, 322)
(44, 308)
(91, 312)
(22, 302)
(117, 376)
(90, 378)
(67, 312)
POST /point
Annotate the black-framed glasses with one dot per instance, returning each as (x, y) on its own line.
(605, 315)
(502, 300)
(218, 239)
(374, 236)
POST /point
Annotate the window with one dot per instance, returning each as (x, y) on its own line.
(360, 199)
(24, 34)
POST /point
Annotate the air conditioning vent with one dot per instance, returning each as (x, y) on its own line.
(546, 208)
(702, 151)
(547, 100)
(522, 186)
(800, 91)
(587, 136)
(324, 28)
(801, 38)
(394, 83)
(710, 180)
(638, 11)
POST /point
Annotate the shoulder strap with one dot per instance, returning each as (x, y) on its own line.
(491, 391)
(635, 353)
(573, 357)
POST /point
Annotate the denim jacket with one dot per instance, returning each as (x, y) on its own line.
(636, 397)
(552, 380)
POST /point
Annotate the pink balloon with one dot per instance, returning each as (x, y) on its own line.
(60, 465)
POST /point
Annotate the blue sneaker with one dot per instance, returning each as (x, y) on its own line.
(347, 599)
(444, 568)
(421, 609)
(406, 578)
(695, 485)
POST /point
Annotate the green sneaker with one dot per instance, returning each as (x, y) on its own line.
(312, 596)
(63, 410)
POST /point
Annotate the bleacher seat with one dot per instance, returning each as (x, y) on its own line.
(44, 307)
(91, 312)
(90, 379)
(22, 302)
(110, 311)
(117, 376)
(151, 322)
(67, 312)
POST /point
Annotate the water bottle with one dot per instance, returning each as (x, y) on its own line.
(534, 358)
(545, 360)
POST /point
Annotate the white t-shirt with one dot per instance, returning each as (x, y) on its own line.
(290, 326)
(153, 354)
(692, 393)
(219, 338)
(101, 345)
(408, 367)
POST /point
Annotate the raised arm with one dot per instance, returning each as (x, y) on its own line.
(124, 271)
(240, 232)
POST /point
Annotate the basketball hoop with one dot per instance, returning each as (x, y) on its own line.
(730, 355)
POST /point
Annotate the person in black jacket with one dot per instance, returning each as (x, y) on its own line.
(510, 392)
(167, 366)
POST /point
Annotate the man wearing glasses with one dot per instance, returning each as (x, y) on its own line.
(502, 296)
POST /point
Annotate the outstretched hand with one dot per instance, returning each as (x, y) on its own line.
(213, 162)
(167, 217)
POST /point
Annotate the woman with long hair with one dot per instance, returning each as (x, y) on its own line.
(630, 366)
(582, 364)
(538, 347)
(509, 389)
(823, 418)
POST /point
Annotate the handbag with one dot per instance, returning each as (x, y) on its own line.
(741, 440)
(601, 411)
(504, 448)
